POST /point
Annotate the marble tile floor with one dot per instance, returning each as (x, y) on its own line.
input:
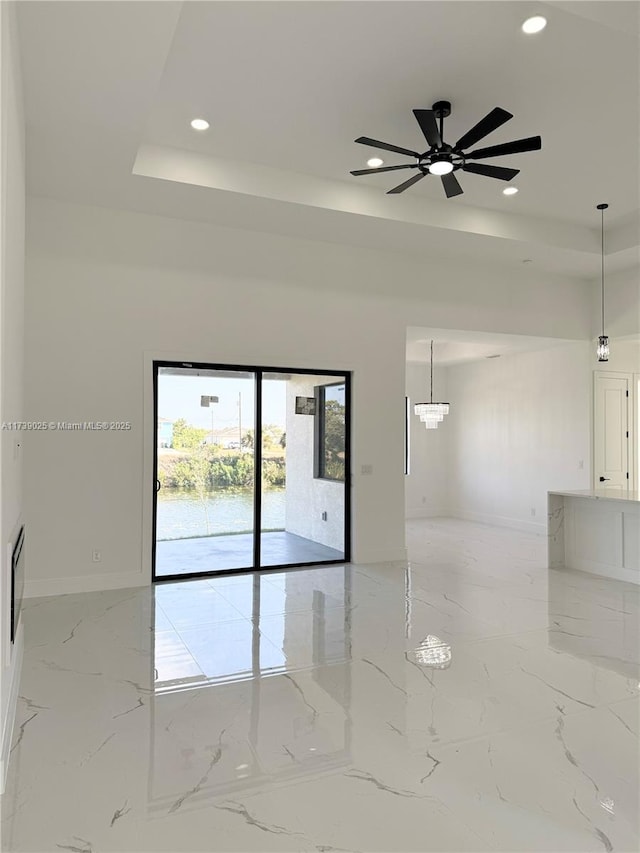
(294, 711)
(235, 551)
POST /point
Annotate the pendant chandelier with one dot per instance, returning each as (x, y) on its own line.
(603, 340)
(431, 414)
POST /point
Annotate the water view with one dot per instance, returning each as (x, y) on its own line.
(182, 514)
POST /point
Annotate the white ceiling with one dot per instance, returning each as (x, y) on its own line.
(110, 89)
(451, 346)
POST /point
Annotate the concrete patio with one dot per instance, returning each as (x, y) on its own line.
(235, 551)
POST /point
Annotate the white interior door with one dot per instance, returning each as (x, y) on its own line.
(612, 463)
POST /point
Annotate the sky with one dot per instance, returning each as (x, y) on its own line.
(179, 397)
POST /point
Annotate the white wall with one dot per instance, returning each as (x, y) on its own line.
(622, 304)
(519, 426)
(624, 356)
(12, 192)
(107, 290)
(426, 488)
(307, 497)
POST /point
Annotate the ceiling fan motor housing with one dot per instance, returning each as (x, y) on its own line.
(444, 152)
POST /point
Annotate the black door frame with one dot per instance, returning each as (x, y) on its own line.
(258, 372)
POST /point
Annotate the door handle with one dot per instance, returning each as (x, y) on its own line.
(157, 485)
(602, 479)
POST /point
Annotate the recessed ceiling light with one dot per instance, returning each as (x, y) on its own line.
(510, 191)
(534, 25)
(200, 124)
(375, 162)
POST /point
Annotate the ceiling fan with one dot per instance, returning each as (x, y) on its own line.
(443, 160)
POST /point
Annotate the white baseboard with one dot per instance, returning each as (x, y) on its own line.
(83, 583)
(12, 703)
(590, 567)
(537, 527)
(422, 511)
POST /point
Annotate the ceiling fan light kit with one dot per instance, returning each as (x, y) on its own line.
(534, 25)
(443, 160)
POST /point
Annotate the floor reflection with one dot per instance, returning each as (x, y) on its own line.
(597, 620)
(244, 626)
(213, 677)
(247, 733)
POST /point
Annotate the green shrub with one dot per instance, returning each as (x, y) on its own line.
(204, 470)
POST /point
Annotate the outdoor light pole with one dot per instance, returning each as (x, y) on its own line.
(206, 401)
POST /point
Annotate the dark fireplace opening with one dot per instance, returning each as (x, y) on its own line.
(17, 582)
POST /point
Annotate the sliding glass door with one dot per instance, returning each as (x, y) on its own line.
(312, 409)
(250, 468)
(205, 498)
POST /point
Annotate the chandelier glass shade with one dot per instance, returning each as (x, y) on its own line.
(431, 414)
(603, 348)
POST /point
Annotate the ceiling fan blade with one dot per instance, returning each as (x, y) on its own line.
(499, 172)
(374, 143)
(485, 126)
(518, 146)
(402, 187)
(451, 185)
(429, 126)
(384, 169)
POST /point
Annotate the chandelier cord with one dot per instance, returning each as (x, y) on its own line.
(432, 371)
(602, 272)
